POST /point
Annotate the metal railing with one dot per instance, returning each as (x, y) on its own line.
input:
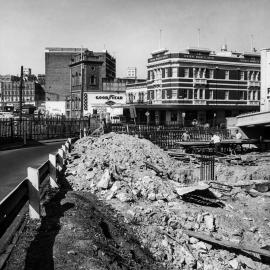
(207, 168)
(42, 128)
(167, 136)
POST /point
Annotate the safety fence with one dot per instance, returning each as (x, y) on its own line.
(31, 191)
(166, 138)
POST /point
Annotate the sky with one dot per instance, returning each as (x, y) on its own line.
(128, 29)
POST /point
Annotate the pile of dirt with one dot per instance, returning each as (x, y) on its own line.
(140, 181)
(244, 168)
(125, 167)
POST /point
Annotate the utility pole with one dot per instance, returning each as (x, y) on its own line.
(21, 91)
(82, 81)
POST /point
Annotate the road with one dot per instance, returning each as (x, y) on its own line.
(14, 163)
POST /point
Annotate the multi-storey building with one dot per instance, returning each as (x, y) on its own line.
(90, 72)
(265, 89)
(32, 94)
(57, 73)
(137, 93)
(200, 84)
(9, 78)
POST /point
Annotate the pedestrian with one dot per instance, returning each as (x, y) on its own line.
(185, 136)
(238, 135)
(216, 140)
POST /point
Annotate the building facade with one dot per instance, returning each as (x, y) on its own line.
(57, 72)
(137, 93)
(32, 94)
(91, 72)
(200, 84)
(265, 83)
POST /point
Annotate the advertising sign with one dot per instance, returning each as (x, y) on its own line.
(132, 111)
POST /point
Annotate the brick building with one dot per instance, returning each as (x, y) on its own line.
(199, 84)
(57, 73)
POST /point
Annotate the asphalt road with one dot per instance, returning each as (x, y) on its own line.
(14, 163)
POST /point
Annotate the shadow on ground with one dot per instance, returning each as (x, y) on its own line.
(40, 252)
(80, 232)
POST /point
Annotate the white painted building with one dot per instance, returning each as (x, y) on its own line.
(136, 93)
(265, 80)
(55, 108)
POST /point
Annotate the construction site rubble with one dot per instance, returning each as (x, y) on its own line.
(183, 222)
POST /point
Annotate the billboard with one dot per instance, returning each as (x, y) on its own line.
(104, 103)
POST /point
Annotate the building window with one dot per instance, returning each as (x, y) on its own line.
(195, 93)
(166, 72)
(186, 72)
(211, 74)
(174, 94)
(201, 96)
(242, 75)
(242, 95)
(173, 116)
(211, 94)
(185, 94)
(226, 95)
(254, 95)
(93, 80)
(174, 72)
(227, 74)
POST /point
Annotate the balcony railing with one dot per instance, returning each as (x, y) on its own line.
(254, 84)
(199, 81)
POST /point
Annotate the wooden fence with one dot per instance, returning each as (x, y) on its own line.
(31, 190)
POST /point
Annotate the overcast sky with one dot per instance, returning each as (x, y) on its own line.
(128, 29)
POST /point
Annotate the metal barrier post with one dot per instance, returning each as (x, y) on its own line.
(34, 196)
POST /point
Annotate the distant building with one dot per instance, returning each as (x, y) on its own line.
(91, 72)
(132, 72)
(9, 78)
(137, 92)
(41, 79)
(265, 84)
(57, 72)
(199, 84)
(32, 94)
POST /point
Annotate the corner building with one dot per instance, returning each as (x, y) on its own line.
(200, 84)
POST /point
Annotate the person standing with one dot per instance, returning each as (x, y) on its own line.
(238, 135)
(216, 140)
(185, 136)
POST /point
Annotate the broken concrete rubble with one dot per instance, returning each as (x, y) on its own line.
(146, 186)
